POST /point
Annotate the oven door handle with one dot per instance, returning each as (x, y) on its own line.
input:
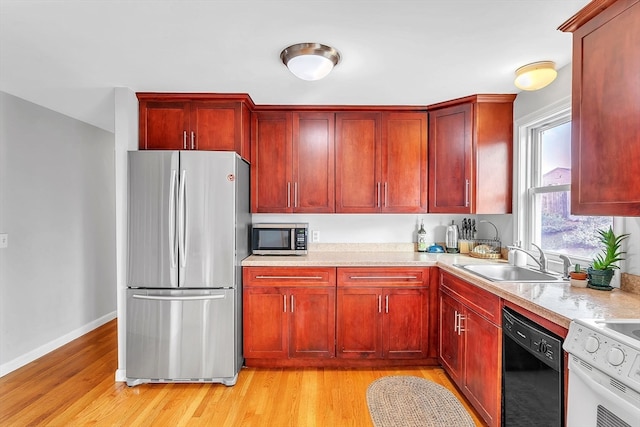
(599, 389)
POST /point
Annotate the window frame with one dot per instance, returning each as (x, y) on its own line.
(527, 166)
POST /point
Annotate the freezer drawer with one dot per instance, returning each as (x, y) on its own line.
(182, 336)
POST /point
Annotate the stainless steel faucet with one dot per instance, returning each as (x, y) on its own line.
(542, 261)
(566, 265)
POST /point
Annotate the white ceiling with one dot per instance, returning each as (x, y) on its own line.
(68, 55)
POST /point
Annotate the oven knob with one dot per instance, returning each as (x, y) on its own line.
(615, 356)
(591, 344)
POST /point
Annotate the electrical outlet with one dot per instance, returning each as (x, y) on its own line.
(4, 240)
(315, 236)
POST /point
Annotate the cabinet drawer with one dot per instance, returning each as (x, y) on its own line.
(288, 276)
(483, 302)
(387, 277)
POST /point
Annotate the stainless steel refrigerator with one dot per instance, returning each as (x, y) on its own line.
(188, 233)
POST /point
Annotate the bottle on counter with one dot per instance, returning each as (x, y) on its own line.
(422, 238)
(452, 238)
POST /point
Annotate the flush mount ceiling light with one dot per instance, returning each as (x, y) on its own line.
(310, 61)
(536, 75)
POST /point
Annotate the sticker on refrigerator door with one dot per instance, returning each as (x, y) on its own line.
(231, 177)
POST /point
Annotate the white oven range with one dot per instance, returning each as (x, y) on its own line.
(604, 373)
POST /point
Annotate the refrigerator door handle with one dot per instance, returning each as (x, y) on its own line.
(182, 224)
(183, 298)
(173, 250)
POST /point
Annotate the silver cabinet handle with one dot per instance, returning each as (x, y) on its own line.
(461, 319)
(184, 139)
(290, 277)
(175, 298)
(295, 194)
(466, 192)
(378, 197)
(386, 304)
(288, 194)
(193, 140)
(292, 303)
(379, 303)
(455, 322)
(382, 277)
(385, 194)
(284, 299)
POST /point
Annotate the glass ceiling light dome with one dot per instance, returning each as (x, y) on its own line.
(310, 61)
(536, 75)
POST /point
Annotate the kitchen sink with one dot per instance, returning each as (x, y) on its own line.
(508, 273)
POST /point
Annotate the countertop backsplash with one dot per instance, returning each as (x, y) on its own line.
(389, 228)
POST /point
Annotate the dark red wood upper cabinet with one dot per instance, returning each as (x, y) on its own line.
(470, 155)
(605, 134)
(293, 162)
(358, 154)
(381, 162)
(215, 122)
(313, 162)
(404, 162)
(163, 125)
(271, 160)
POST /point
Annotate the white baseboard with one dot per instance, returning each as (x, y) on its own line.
(121, 375)
(29, 357)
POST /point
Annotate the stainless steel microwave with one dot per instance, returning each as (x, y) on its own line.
(279, 239)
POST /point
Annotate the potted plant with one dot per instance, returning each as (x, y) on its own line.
(578, 274)
(601, 270)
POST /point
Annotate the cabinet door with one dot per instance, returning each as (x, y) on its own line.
(359, 325)
(216, 126)
(312, 325)
(313, 163)
(404, 162)
(271, 154)
(405, 323)
(605, 135)
(358, 180)
(482, 378)
(163, 125)
(450, 341)
(450, 157)
(265, 323)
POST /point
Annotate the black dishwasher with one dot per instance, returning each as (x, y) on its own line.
(532, 373)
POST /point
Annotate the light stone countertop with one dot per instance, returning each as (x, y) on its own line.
(556, 302)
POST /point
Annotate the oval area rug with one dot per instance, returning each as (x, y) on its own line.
(409, 401)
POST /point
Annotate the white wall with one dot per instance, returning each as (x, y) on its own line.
(528, 103)
(389, 228)
(57, 204)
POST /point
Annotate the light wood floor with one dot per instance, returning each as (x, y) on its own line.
(75, 386)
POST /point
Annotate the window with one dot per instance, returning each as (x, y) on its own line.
(545, 186)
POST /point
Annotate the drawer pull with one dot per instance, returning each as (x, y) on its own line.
(382, 277)
(290, 277)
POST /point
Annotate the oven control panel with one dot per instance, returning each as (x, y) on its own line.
(604, 352)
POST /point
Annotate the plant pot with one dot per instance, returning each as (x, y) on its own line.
(578, 275)
(600, 279)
